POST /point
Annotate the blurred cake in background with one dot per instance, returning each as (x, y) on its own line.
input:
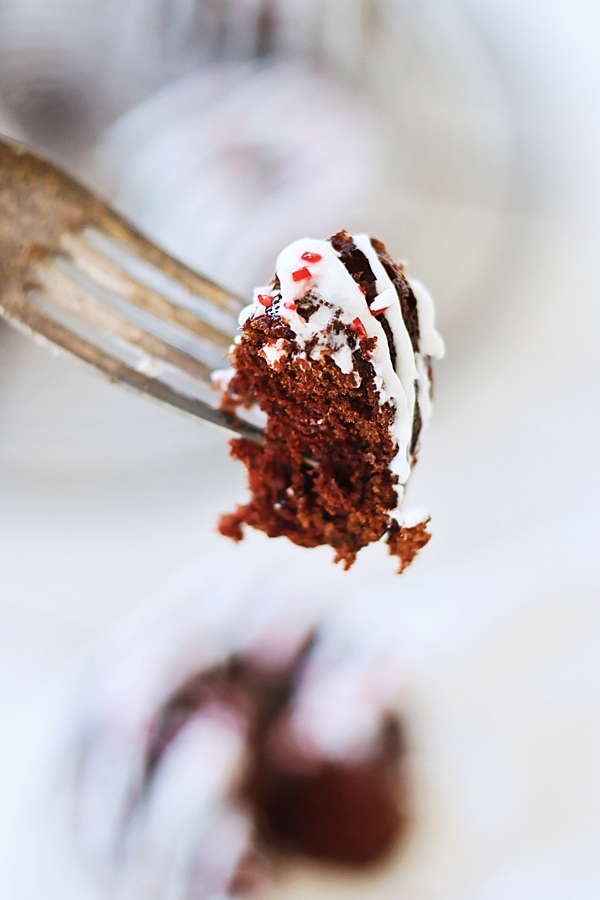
(232, 736)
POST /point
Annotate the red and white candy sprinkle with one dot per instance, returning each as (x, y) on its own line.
(383, 301)
(359, 327)
(301, 274)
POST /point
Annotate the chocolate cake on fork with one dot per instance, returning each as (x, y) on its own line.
(337, 352)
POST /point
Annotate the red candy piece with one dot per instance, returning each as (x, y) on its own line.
(265, 299)
(289, 304)
(301, 274)
(311, 257)
(377, 312)
(359, 327)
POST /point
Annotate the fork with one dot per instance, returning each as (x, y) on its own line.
(75, 275)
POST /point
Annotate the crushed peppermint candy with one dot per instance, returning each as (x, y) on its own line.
(383, 301)
(301, 274)
(359, 327)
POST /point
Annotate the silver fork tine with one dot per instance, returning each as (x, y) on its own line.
(35, 322)
(49, 264)
(114, 226)
(71, 297)
(105, 273)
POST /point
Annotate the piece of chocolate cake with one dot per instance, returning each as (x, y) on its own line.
(348, 810)
(336, 352)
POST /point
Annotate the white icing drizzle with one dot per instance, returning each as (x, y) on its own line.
(341, 296)
(343, 360)
(430, 341)
(412, 516)
(273, 351)
(424, 390)
(405, 358)
(430, 344)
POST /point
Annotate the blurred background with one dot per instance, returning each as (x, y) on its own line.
(465, 133)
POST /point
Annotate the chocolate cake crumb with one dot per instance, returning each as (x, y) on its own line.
(230, 525)
(405, 543)
(308, 305)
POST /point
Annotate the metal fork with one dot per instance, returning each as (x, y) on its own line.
(73, 273)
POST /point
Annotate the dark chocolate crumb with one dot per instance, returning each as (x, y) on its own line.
(308, 305)
(405, 543)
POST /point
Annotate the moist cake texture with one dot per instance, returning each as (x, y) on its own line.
(336, 351)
